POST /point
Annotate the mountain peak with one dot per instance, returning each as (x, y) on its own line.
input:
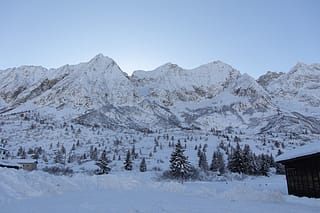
(100, 58)
(216, 62)
(304, 69)
(103, 64)
(300, 64)
(169, 66)
(215, 65)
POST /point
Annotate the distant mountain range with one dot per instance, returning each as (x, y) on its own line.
(211, 96)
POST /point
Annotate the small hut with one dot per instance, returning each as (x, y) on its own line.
(24, 164)
(28, 165)
(302, 167)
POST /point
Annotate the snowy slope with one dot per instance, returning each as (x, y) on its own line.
(242, 99)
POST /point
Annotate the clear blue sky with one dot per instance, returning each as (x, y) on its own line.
(253, 36)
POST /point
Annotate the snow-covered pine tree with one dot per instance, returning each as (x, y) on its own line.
(280, 169)
(143, 165)
(93, 153)
(235, 162)
(279, 152)
(128, 162)
(248, 160)
(272, 162)
(222, 166)
(103, 166)
(264, 165)
(20, 151)
(59, 157)
(104, 155)
(133, 151)
(199, 151)
(214, 162)
(217, 163)
(203, 163)
(180, 167)
(63, 150)
(72, 157)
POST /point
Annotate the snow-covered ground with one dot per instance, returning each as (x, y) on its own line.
(37, 191)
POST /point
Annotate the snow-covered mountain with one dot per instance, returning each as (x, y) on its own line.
(89, 85)
(15, 81)
(214, 95)
(297, 90)
(170, 83)
(75, 88)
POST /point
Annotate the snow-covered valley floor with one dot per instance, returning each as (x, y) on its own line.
(32, 192)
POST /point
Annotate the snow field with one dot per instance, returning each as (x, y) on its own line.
(37, 191)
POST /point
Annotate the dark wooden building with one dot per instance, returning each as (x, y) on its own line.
(303, 170)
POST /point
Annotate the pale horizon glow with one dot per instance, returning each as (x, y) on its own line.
(252, 36)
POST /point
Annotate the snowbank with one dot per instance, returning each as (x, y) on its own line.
(36, 191)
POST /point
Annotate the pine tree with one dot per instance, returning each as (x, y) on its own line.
(73, 147)
(128, 162)
(203, 163)
(222, 166)
(133, 151)
(272, 162)
(217, 163)
(248, 160)
(20, 151)
(279, 152)
(104, 168)
(72, 157)
(63, 149)
(58, 158)
(235, 163)
(143, 165)
(93, 153)
(23, 154)
(280, 169)
(104, 155)
(199, 152)
(214, 163)
(180, 167)
(264, 165)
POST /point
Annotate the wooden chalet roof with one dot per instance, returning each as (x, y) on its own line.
(300, 152)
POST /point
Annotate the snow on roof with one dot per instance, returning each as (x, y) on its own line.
(8, 163)
(305, 150)
(18, 161)
(24, 161)
(3, 149)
